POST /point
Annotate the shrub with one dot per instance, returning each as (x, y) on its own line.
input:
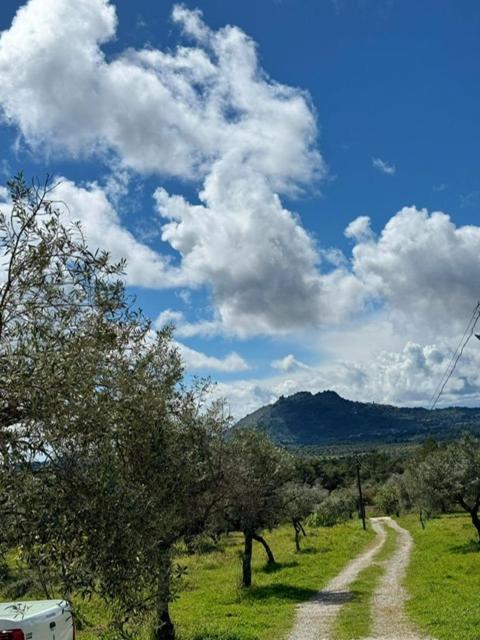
(338, 507)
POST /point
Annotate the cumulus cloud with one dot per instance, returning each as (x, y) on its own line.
(384, 166)
(258, 262)
(171, 113)
(289, 363)
(420, 271)
(206, 112)
(422, 267)
(359, 229)
(196, 360)
(186, 329)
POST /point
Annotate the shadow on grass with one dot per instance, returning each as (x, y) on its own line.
(278, 566)
(469, 547)
(311, 551)
(279, 591)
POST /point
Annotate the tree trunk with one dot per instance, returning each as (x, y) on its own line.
(475, 521)
(361, 504)
(422, 521)
(301, 528)
(297, 535)
(247, 560)
(164, 629)
(473, 511)
(268, 551)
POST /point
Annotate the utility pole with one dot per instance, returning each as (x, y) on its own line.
(361, 504)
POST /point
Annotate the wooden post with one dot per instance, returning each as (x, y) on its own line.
(361, 505)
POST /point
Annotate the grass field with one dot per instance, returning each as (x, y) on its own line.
(354, 620)
(444, 578)
(213, 604)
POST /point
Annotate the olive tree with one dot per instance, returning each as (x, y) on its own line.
(63, 311)
(450, 475)
(106, 461)
(387, 497)
(337, 507)
(257, 471)
(301, 499)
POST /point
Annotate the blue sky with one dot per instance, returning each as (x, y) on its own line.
(263, 143)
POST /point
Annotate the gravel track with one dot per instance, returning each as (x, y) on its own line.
(315, 618)
(388, 603)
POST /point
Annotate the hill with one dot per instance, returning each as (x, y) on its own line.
(325, 418)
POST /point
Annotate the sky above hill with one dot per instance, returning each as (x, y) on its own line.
(294, 183)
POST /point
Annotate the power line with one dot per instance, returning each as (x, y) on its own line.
(467, 334)
(452, 359)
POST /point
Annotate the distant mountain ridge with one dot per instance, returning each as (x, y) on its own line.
(326, 418)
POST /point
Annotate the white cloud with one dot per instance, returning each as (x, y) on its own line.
(194, 360)
(259, 263)
(423, 268)
(359, 229)
(171, 113)
(185, 329)
(207, 112)
(384, 166)
(288, 363)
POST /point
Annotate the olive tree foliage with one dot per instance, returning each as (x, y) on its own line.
(416, 495)
(338, 506)
(300, 501)
(256, 472)
(62, 309)
(106, 461)
(449, 475)
(387, 497)
(62, 312)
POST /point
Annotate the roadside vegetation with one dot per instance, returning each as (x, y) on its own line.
(443, 578)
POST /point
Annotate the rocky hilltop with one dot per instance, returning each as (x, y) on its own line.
(326, 418)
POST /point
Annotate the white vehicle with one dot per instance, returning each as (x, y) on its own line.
(36, 620)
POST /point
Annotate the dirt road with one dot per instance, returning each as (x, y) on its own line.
(315, 618)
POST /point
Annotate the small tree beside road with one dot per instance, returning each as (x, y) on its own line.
(450, 474)
(300, 502)
(256, 474)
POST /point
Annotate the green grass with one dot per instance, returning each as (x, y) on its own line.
(213, 606)
(444, 578)
(354, 619)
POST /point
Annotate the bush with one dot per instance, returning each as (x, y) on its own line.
(338, 507)
(388, 499)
